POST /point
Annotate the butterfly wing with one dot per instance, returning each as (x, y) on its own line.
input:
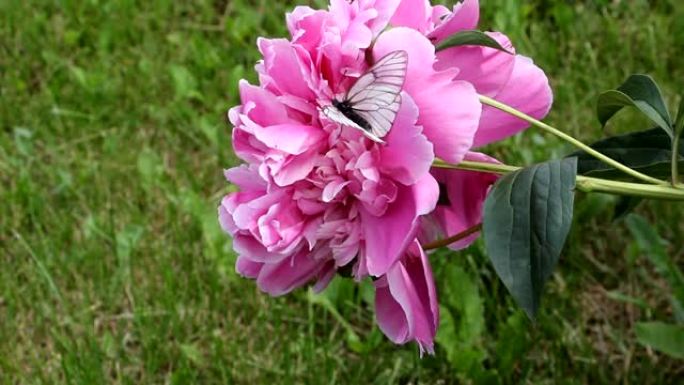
(381, 118)
(376, 96)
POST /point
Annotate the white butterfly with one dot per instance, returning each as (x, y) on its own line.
(372, 103)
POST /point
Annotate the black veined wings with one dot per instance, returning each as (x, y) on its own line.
(372, 103)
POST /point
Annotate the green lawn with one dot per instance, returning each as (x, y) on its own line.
(114, 270)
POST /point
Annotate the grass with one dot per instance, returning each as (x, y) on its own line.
(114, 269)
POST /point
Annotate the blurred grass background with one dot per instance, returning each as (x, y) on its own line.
(114, 269)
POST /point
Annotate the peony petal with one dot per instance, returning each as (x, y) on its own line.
(415, 14)
(226, 221)
(246, 177)
(421, 53)
(386, 237)
(487, 69)
(248, 247)
(462, 202)
(265, 109)
(386, 9)
(352, 20)
(295, 168)
(406, 301)
(281, 278)
(245, 215)
(248, 268)
(325, 276)
(439, 14)
(426, 192)
(306, 26)
(465, 16)
(332, 189)
(284, 69)
(527, 90)
(357, 37)
(290, 138)
(449, 113)
(247, 147)
(420, 273)
(408, 154)
(389, 314)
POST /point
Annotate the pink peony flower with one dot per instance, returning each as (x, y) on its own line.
(315, 196)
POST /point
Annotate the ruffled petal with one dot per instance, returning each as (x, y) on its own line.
(487, 69)
(387, 236)
(248, 268)
(386, 9)
(285, 69)
(465, 16)
(281, 278)
(415, 14)
(527, 90)
(406, 301)
(292, 139)
(294, 168)
(408, 154)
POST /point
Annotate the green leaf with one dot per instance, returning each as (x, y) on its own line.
(641, 92)
(665, 338)
(512, 343)
(678, 131)
(150, 167)
(618, 296)
(471, 38)
(679, 123)
(649, 152)
(184, 82)
(192, 353)
(462, 322)
(461, 293)
(527, 219)
(651, 245)
(466, 359)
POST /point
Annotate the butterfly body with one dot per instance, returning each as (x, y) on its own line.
(347, 110)
(372, 103)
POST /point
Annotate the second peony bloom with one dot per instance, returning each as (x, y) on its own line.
(316, 196)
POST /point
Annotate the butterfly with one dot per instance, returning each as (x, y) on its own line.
(372, 103)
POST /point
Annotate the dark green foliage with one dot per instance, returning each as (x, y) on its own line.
(649, 152)
(527, 217)
(641, 92)
(469, 38)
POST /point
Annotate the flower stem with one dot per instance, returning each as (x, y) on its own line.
(492, 168)
(583, 183)
(554, 131)
(448, 241)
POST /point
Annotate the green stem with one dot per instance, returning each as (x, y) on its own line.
(453, 239)
(492, 168)
(554, 131)
(584, 183)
